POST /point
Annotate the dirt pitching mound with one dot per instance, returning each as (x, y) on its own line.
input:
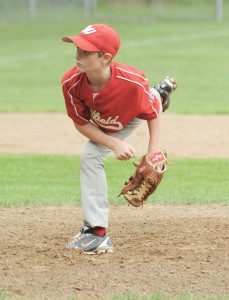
(165, 249)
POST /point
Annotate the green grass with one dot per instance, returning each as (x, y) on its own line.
(54, 180)
(33, 60)
(154, 296)
(195, 9)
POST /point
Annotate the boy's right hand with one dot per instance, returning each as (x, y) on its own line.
(122, 150)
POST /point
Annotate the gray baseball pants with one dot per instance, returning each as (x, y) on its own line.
(94, 190)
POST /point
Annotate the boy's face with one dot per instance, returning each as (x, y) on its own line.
(87, 60)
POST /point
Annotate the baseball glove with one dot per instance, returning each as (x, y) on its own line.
(146, 178)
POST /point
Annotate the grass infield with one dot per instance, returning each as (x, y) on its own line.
(36, 179)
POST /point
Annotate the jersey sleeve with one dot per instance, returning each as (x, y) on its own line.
(150, 105)
(76, 109)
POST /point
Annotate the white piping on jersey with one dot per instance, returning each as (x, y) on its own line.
(72, 99)
(143, 90)
(132, 73)
(70, 78)
(158, 96)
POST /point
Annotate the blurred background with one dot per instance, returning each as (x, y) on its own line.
(187, 39)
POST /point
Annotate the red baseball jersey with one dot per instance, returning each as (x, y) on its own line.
(126, 96)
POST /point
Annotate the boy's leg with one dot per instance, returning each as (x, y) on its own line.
(94, 191)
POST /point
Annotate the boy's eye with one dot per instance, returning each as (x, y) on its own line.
(84, 52)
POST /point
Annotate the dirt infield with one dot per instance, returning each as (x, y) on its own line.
(168, 249)
(182, 135)
(160, 248)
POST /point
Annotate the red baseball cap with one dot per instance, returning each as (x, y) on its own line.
(96, 37)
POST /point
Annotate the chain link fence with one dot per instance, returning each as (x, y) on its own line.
(148, 10)
(18, 11)
(15, 11)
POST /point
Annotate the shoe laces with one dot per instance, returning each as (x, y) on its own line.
(78, 237)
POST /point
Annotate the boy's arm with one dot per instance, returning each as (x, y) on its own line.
(154, 135)
(165, 88)
(122, 150)
(93, 133)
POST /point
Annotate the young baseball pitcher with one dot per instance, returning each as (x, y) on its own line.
(106, 101)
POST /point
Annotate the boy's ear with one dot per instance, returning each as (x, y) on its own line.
(107, 58)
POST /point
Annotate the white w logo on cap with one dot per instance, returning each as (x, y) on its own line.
(88, 30)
